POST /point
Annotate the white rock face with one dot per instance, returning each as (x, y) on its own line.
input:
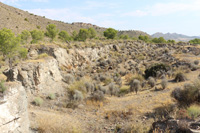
(13, 110)
(42, 76)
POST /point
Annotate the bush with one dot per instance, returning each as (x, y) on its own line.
(2, 87)
(180, 77)
(92, 33)
(69, 79)
(188, 95)
(83, 34)
(97, 96)
(135, 85)
(164, 83)
(38, 101)
(77, 96)
(110, 33)
(9, 45)
(194, 111)
(89, 87)
(152, 71)
(143, 38)
(37, 35)
(151, 82)
(196, 62)
(64, 36)
(159, 40)
(25, 36)
(195, 41)
(51, 96)
(114, 90)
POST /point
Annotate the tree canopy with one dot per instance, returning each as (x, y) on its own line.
(10, 46)
(63, 35)
(52, 31)
(110, 33)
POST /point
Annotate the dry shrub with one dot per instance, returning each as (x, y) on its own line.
(128, 77)
(137, 128)
(118, 114)
(90, 102)
(55, 124)
(180, 77)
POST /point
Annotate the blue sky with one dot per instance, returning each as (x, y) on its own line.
(180, 16)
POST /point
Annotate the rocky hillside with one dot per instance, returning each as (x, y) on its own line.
(174, 36)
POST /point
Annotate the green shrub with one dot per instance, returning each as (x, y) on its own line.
(36, 35)
(64, 36)
(143, 38)
(52, 96)
(159, 40)
(83, 34)
(194, 111)
(25, 36)
(38, 101)
(2, 87)
(195, 41)
(154, 69)
(92, 33)
(43, 55)
(26, 19)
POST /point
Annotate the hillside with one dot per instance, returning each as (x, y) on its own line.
(174, 36)
(18, 20)
(133, 33)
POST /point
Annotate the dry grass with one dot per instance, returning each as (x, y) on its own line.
(53, 123)
(114, 115)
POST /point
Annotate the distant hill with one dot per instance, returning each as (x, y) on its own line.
(174, 36)
(18, 20)
(133, 33)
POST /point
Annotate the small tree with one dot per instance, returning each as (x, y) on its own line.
(51, 31)
(64, 36)
(25, 36)
(10, 46)
(110, 33)
(74, 35)
(36, 36)
(83, 34)
(92, 33)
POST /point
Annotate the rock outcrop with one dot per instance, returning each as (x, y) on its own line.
(39, 76)
(13, 107)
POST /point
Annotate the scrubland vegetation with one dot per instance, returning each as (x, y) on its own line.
(135, 85)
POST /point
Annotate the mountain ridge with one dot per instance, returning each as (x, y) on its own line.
(174, 36)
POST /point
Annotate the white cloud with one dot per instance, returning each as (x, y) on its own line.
(62, 14)
(160, 9)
